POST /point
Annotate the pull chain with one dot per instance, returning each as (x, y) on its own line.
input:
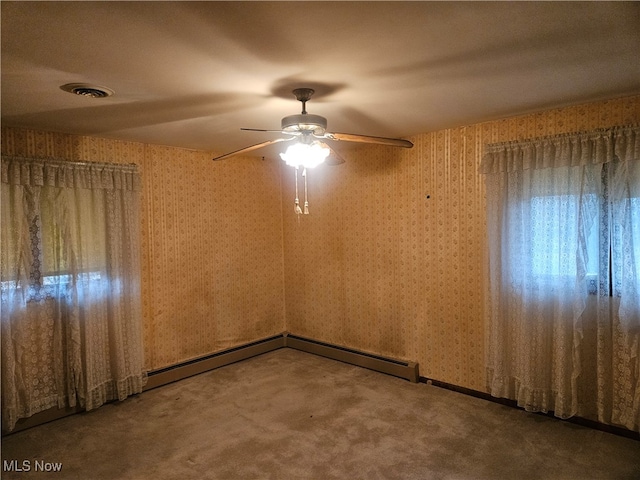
(297, 208)
(306, 203)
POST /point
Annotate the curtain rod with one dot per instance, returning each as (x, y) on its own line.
(597, 131)
(52, 160)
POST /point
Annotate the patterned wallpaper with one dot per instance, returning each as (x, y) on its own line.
(212, 242)
(391, 259)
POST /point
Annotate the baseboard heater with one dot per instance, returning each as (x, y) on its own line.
(390, 366)
(163, 376)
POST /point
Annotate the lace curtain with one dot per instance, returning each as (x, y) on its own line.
(71, 311)
(563, 220)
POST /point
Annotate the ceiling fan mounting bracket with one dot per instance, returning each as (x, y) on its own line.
(303, 94)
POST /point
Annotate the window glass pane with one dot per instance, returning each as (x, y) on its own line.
(64, 213)
(554, 236)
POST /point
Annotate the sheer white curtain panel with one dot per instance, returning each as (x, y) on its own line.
(563, 323)
(71, 303)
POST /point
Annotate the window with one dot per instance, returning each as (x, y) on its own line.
(71, 306)
(555, 237)
(47, 258)
(563, 324)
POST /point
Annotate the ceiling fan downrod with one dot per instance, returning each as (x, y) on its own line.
(304, 123)
(303, 95)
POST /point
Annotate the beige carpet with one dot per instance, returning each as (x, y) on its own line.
(293, 415)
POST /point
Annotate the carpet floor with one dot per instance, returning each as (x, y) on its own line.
(293, 415)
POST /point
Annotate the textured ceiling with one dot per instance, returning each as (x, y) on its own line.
(190, 74)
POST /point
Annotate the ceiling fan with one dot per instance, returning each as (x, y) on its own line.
(311, 130)
(309, 150)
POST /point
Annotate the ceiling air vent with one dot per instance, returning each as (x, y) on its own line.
(87, 90)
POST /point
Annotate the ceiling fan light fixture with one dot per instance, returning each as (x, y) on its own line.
(306, 155)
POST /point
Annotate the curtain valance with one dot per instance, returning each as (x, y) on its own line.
(59, 173)
(566, 150)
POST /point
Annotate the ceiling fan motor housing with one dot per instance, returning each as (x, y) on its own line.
(304, 122)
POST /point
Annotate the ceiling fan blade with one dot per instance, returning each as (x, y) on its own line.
(261, 130)
(251, 148)
(350, 137)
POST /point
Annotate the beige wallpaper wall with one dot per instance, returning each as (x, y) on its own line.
(212, 242)
(392, 258)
